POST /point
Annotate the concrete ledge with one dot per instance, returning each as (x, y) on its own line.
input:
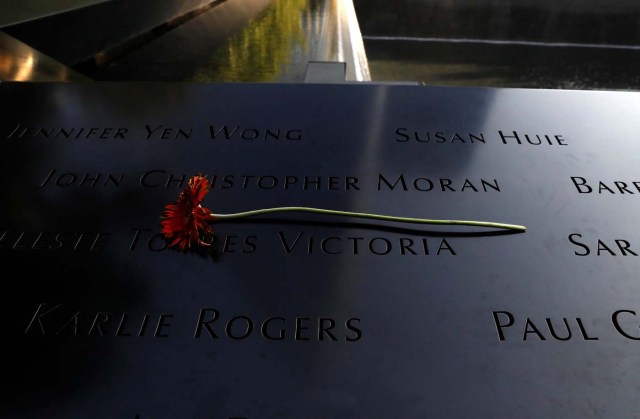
(325, 72)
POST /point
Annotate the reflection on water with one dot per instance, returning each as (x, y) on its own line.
(267, 48)
(224, 41)
(278, 46)
(249, 41)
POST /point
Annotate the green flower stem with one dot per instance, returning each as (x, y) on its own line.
(367, 215)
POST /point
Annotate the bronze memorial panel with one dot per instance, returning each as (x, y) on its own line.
(305, 315)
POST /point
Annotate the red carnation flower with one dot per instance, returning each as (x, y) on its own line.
(185, 221)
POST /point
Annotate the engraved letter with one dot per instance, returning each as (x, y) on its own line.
(500, 326)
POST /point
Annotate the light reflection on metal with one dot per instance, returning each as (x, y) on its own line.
(19, 62)
(25, 69)
(355, 46)
(340, 39)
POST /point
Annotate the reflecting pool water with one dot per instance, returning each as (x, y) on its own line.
(501, 43)
(503, 65)
(248, 41)
(591, 44)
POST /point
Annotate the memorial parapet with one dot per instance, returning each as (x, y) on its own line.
(307, 315)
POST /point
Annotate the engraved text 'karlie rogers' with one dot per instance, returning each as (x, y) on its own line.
(206, 324)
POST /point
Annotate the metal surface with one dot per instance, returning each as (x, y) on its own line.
(325, 72)
(20, 62)
(76, 35)
(430, 325)
(339, 39)
(12, 13)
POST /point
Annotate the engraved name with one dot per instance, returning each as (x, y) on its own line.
(616, 187)
(64, 320)
(47, 240)
(146, 238)
(161, 132)
(562, 329)
(508, 326)
(520, 138)
(54, 133)
(161, 179)
(405, 135)
(211, 323)
(236, 132)
(65, 179)
(598, 247)
(409, 136)
(58, 319)
(418, 183)
(300, 242)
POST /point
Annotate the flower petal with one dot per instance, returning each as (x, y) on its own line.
(185, 221)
